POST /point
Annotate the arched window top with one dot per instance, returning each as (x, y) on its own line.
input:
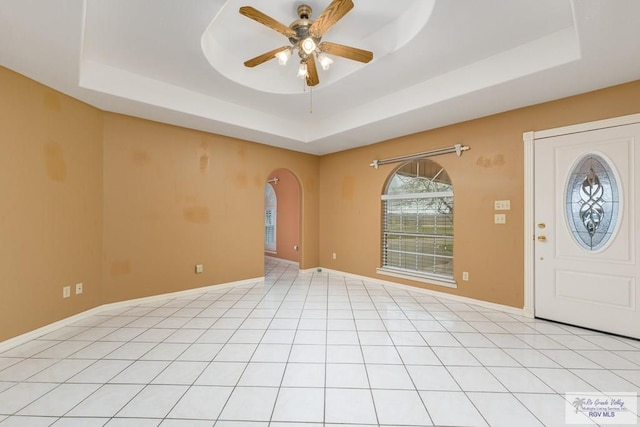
(417, 224)
(419, 176)
(270, 198)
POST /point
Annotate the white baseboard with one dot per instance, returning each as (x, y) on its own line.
(457, 298)
(293, 263)
(36, 333)
(21, 339)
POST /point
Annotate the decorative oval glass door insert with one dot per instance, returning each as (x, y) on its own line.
(592, 202)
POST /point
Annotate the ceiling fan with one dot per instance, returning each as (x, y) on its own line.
(305, 36)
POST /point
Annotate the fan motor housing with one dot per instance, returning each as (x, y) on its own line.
(304, 11)
(301, 27)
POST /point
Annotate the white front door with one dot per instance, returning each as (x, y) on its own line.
(587, 229)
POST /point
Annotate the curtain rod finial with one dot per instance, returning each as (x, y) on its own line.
(460, 148)
(374, 164)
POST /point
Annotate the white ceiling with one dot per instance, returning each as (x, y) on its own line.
(436, 62)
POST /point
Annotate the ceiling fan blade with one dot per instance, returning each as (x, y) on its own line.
(260, 59)
(260, 17)
(312, 72)
(346, 51)
(332, 14)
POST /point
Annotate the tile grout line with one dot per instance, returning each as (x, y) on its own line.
(404, 302)
(286, 364)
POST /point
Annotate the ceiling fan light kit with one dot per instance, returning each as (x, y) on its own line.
(283, 56)
(325, 61)
(302, 70)
(305, 36)
(308, 45)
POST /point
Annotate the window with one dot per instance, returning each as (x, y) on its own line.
(270, 211)
(417, 223)
(592, 202)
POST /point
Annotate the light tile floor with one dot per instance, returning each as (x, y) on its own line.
(309, 349)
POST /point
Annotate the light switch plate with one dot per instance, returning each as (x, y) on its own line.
(502, 205)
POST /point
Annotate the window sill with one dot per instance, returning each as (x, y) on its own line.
(430, 280)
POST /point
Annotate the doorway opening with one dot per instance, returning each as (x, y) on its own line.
(282, 217)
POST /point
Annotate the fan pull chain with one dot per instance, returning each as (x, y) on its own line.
(310, 100)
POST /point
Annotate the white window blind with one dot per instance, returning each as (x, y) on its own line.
(417, 223)
(270, 218)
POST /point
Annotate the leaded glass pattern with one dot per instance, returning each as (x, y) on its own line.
(418, 220)
(592, 202)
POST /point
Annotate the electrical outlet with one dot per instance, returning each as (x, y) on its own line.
(199, 268)
(335, 256)
(499, 218)
(465, 276)
(66, 292)
(79, 289)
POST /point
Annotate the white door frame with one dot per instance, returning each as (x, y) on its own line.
(529, 139)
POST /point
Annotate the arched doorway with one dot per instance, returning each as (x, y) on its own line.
(282, 216)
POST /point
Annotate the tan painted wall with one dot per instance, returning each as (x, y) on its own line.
(50, 204)
(169, 198)
(128, 206)
(288, 215)
(175, 197)
(492, 170)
